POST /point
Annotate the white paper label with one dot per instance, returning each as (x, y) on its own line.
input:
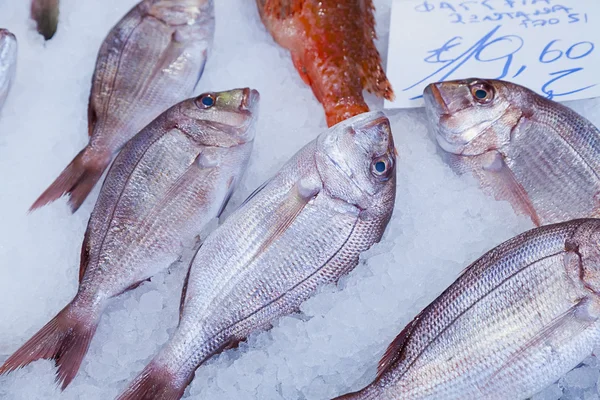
(550, 46)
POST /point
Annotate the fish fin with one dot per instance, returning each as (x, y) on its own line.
(156, 382)
(507, 187)
(573, 321)
(227, 197)
(374, 78)
(280, 9)
(299, 64)
(77, 180)
(134, 286)
(297, 198)
(394, 350)
(185, 286)
(65, 339)
(84, 259)
(201, 70)
(169, 56)
(92, 116)
(45, 14)
(255, 192)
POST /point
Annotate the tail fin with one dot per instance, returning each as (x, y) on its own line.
(155, 383)
(78, 179)
(65, 338)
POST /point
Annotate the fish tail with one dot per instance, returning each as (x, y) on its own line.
(45, 14)
(65, 339)
(77, 180)
(156, 382)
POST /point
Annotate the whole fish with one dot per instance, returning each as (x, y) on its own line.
(515, 321)
(149, 61)
(331, 43)
(539, 155)
(45, 15)
(8, 63)
(166, 184)
(304, 227)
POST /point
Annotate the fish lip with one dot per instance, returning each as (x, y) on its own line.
(250, 99)
(6, 33)
(434, 99)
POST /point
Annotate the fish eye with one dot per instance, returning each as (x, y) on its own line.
(381, 167)
(205, 101)
(482, 92)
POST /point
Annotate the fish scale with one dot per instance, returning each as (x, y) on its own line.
(306, 227)
(516, 320)
(539, 155)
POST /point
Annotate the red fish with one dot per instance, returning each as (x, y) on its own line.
(332, 47)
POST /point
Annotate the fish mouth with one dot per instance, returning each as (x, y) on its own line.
(434, 101)
(6, 33)
(250, 99)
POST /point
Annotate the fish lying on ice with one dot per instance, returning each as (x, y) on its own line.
(166, 184)
(304, 227)
(515, 321)
(149, 61)
(8, 63)
(45, 15)
(539, 155)
(331, 43)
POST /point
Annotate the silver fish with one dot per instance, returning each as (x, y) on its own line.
(149, 61)
(45, 15)
(166, 184)
(305, 227)
(539, 155)
(8, 63)
(515, 321)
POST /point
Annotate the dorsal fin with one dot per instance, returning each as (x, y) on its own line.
(394, 351)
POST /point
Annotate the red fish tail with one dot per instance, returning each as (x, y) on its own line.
(77, 180)
(65, 339)
(156, 382)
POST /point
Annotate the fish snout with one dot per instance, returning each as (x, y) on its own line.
(434, 101)
(250, 99)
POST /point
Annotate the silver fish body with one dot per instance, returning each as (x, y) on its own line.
(167, 183)
(537, 154)
(151, 60)
(306, 227)
(8, 63)
(516, 320)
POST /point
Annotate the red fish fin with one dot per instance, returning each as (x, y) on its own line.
(394, 350)
(77, 180)
(280, 9)
(506, 185)
(64, 339)
(302, 70)
(572, 322)
(155, 382)
(374, 79)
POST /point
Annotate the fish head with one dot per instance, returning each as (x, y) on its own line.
(222, 119)
(356, 159)
(180, 12)
(472, 116)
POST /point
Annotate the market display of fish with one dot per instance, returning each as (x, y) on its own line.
(8, 63)
(539, 155)
(167, 183)
(331, 43)
(515, 321)
(149, 61)
(45, 15)
(304, 227)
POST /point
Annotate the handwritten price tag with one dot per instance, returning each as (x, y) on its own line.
(549, 46)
